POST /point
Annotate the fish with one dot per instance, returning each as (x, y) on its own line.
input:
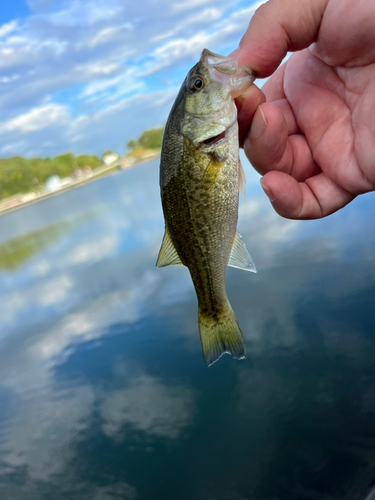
(200, 179)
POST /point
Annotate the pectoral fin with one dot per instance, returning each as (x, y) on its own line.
(240, 257)
(241, 179)
(167, 254)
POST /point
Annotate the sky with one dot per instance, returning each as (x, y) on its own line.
(87, 76)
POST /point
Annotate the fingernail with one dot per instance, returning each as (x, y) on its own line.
(258, 126)
(268, 191)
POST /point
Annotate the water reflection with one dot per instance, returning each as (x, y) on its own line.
(103, 391)
(14, 252)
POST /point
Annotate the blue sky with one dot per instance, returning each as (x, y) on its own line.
(88, 75)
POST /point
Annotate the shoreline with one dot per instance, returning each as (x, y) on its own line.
(107, 171)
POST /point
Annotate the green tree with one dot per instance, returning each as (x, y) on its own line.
(131, 144)
(88, 161)
(151, 139)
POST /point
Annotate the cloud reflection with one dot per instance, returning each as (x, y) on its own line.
(46, 423)
(148, 406)
(118, 491)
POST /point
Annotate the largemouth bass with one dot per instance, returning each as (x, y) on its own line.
(200, 177)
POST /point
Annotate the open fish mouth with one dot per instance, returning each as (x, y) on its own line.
(215, 139)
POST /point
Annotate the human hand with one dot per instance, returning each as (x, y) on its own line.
(314, 137)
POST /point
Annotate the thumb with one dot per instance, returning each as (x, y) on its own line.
(279, 26)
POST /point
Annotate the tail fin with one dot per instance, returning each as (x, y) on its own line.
(220, 334)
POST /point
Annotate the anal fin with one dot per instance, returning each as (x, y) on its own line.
(168, 255)
(240, 257)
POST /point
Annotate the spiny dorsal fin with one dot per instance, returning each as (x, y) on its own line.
(241, 179)
(240, 257)
(167, 254)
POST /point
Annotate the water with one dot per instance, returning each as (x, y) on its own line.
(103, 390)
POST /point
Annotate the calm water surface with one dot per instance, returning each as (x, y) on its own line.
(103, 390)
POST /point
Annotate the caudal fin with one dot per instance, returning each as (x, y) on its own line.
(220, 334)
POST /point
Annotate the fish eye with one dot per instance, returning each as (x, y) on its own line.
(196, 83)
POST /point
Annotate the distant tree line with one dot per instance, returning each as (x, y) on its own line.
(150, 139)
(21, 175)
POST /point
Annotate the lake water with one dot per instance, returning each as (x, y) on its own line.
(103, 390)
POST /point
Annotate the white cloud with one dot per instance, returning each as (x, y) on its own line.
(47, 420)
(177, 49)
(207, 15)
(119, 491)
(189, 5)
(125, 118)
(249, 208)
(41, 268)
(95, 69)
(7, 28)
(10, 78)
(10, 306)
(180, 48)
(123, 306)
(55, 291)
(89, 13)
(37, 119)
(243, 15)
(14, 56)
(111, 89)
(93, 250)
(80, 325)
(106, 35)
(14, 148)
(148, 406)
(271, 230)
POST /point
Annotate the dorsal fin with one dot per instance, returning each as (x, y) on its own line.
(240, 257)
(241, 179)
(167, 254)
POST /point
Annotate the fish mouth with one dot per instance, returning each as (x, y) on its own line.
(215, 139)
